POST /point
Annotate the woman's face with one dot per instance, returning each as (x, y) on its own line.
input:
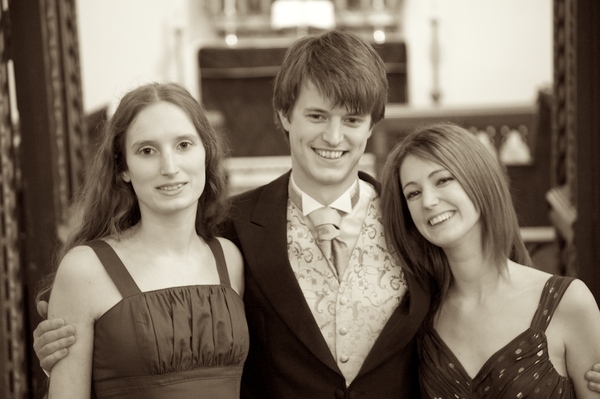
(165, 160)
(439, 206)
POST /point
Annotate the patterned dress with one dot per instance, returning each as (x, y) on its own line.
(175, 343)
(521, 369)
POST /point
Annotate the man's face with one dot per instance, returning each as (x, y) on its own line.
(326, 143)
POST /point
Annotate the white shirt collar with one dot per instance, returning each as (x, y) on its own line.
(309, 204)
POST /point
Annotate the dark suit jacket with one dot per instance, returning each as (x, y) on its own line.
(288, 357)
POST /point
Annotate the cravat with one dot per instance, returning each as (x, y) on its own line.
(335, 250)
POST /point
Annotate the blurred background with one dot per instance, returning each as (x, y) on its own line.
(521, 75)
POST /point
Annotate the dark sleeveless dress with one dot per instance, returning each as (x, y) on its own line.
(180, 342)
(521, 369)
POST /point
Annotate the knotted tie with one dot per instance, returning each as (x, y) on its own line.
(327, 222)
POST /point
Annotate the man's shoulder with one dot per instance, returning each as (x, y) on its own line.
(272, 190)
(246, 195)
(370, 179)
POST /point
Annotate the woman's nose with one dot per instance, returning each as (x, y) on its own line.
(168, 164)
(430, 198)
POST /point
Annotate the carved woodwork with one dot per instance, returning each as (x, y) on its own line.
(563, 171)
(45, 54)
(252, 17)
(575, 195)
(12, 346)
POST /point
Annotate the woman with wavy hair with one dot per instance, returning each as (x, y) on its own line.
(498, 328)
(154, 295)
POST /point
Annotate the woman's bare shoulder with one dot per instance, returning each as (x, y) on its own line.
(577, 300)
(82, 282)
(79, 263)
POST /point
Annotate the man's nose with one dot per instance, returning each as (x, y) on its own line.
(333, 134)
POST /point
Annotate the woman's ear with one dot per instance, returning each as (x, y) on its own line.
(125, 177)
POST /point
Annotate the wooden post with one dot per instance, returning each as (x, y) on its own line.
(49, 100)
(587, 162)
(576, 138)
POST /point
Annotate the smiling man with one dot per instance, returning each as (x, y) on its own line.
(321, 327)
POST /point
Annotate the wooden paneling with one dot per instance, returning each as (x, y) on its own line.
(529, 182)
(236, 82)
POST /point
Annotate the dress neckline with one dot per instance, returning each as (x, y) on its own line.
(480, 373)
(535, 327)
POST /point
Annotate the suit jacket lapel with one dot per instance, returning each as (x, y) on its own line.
(265, 249)
(264, 245)
(402, 326)
(404, 322)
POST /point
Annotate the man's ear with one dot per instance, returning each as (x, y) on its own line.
(125, 177)
(285, 123)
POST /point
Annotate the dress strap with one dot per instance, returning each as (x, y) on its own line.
(552, 293)
(115, 268)
(217, 250)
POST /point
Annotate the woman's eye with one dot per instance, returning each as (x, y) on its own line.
(146, 151)
(445, 179)
(185, 144)
(411, 194)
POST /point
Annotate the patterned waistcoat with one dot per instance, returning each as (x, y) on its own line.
(352, 312)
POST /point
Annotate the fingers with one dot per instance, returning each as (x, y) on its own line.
(51, 339)
(46, 326)
(594, 386)
(42, 309)
(593, 378)
(49, 361)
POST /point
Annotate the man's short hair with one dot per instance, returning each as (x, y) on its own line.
(345, 69)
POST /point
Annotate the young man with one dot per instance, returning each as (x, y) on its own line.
(319, 327)
(315, 331)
